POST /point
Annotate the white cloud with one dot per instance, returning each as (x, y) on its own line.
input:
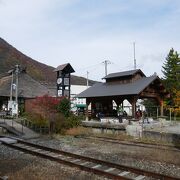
(86, 33)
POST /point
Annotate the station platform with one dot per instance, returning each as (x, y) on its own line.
(7, 140)
(12, 125)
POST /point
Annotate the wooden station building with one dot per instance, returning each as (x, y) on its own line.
(130, 85)
(28, 89)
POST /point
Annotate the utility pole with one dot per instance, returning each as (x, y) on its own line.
(17, 72)
(87, 79)
(106, 62)
(134, 48)
(11, 92)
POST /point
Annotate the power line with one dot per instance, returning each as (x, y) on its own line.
(91, 72)
(120, 69)
(88, 67)
(95, 68)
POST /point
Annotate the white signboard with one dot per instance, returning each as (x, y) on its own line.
(66, 81)
(59, 92)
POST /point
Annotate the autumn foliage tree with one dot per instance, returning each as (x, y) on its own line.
(53, 112)
(176, 100)
(47, 104)
(45, 112)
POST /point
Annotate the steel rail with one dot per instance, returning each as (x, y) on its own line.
(138, 144)
(88, 159)
(69, 163)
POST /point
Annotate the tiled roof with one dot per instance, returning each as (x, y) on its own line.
(65, 67)
(124, 73)
(27, 87)
(106, 89)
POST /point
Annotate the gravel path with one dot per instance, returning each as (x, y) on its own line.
(17, 165)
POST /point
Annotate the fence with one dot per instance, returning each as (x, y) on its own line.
(35, 127)
(170, 113)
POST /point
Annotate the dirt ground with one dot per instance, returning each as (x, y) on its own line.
(17, 165)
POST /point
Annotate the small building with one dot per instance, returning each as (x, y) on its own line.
(28, 89)
(127, 85)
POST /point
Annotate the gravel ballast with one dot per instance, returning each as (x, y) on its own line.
(16, 164)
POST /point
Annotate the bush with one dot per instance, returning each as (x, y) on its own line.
(53, 113)
(64, 107)
(60, 123)
(57, 121)
(73, 121)
(37, 119)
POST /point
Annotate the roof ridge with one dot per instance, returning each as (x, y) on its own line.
(123, 73)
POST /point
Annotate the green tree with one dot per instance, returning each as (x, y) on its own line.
(64, 107)
(151, 106)
(171, 72)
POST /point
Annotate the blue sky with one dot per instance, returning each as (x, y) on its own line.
(87, 32)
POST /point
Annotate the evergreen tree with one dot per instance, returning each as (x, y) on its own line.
(171, 71)
(64, 107)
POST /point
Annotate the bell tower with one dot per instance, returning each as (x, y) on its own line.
(64, 79)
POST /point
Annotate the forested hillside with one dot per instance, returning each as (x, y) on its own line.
(10, 56)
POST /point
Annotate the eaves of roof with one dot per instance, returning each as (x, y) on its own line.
(105, 89)
(65, 67)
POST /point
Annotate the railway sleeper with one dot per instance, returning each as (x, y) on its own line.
(89, 164)
(140, 177)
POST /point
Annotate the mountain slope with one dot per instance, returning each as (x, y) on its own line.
(10, 56)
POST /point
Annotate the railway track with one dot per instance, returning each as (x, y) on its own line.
(138, 144)
(100, 167)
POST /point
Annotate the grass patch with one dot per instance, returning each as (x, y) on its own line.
(79, 131)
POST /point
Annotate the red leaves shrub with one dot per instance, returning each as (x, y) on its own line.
(47, 103)
(44, 110)
(53, 112)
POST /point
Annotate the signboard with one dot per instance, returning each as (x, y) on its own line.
(66, 81)
(59, 92)
(66, 93)
(13, 107)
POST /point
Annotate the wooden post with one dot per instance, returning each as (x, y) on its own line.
(157, 112)
(133, 108)
(133, 103)
(87, 113)
(161, 108)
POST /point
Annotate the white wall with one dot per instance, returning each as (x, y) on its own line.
(75, 90)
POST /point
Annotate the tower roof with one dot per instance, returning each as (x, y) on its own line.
(66, 68)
